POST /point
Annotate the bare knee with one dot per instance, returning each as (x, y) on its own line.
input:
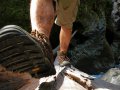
(42, 15)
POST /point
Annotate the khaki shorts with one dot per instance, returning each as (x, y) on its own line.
(66, 12)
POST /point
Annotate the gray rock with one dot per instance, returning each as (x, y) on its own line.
(112, 76)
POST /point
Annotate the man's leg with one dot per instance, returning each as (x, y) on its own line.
(66, 15)
(65, 37)
(42, 16)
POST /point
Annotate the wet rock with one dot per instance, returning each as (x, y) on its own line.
(116, 22)
(112, 76)
(93, 54)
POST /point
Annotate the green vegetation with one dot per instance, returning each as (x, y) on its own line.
(15, 12)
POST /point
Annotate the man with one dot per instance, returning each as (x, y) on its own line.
(42, 14)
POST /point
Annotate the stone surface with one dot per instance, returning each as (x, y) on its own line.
(116, 31)
(112, 76)
(89, 47)
(66, 78)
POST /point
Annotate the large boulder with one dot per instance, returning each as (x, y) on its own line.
(68, 78)
(116, 31)
(89, 50)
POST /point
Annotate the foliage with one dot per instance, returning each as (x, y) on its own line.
(15, 12)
